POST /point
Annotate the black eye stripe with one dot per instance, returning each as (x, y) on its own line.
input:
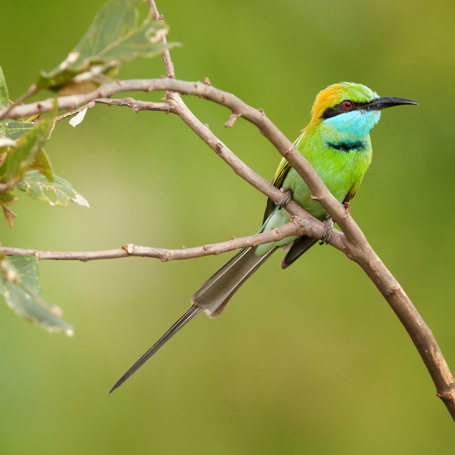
(339, 109)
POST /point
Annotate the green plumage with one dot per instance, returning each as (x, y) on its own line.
(337, 144)
(341, 169)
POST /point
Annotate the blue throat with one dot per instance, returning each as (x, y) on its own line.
(349, 132)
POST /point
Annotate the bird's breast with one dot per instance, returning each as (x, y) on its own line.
(341, 166)
(348, 146)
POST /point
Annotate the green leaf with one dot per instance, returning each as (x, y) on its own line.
(58, 192)
(24, 155)
(22, 292)
(13, 129)
(4, 98)
(7, 198)
(19, 159)
(43, 165)
(115, 36)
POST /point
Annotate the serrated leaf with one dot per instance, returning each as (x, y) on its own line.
(58, 192)
(22, 292)
(115, 36)
(4, 97)
(19, 159)
(43, 165)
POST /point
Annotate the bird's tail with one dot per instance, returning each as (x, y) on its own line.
(216, 292)
(211, 297)
(190, 314)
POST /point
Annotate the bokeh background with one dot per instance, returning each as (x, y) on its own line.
(307, 360)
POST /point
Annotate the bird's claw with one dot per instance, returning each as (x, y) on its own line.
(328, 231)
(287, 197)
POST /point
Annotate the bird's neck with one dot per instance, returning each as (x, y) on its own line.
(348, 132)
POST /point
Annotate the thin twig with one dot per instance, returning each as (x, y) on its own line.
(70, 113)
(296, 226)
(73, 112)
(166, 55)
(31, 91)
(135, 105)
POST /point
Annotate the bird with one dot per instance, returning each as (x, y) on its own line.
(337, 144)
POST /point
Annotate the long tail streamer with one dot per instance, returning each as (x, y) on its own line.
(190, 314)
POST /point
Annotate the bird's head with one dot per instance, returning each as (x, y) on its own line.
(351, 109)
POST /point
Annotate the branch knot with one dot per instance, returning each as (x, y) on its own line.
(232, 119)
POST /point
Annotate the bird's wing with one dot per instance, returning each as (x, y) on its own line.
(304, 243)
(278, 180)
(351, 193)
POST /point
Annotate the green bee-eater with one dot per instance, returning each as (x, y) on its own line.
(337, 143)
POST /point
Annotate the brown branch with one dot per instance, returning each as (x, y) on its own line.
(296, 226)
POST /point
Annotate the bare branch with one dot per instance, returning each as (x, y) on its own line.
(166, 55)
(136, 105)
(296, 226)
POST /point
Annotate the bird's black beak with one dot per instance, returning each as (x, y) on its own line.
(387, 101)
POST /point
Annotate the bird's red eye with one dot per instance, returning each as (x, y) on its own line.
(347, 104)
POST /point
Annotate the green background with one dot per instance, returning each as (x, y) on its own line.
(307, 360)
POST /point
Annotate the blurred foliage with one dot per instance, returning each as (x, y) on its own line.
(115, 36)
(20, 286)
(309, 359)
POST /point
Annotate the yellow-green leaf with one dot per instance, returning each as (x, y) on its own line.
(19, 159)
(6, 199)
(43, 165)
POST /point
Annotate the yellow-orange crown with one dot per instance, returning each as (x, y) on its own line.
(335, 94)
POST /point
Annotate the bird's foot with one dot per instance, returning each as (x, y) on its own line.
(328, 231)
(287, 197)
